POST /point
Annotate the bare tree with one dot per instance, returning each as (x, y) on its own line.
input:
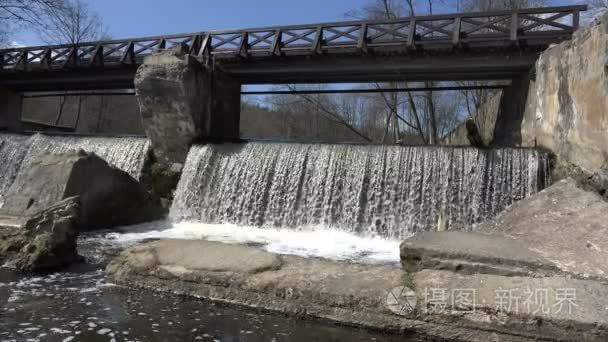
(31, 12)
(597, 8)
(497, 5)
(74, 22)
(17, 14)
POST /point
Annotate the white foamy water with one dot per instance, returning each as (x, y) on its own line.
(320, 242)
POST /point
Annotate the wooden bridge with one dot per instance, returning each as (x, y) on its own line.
(462, 46)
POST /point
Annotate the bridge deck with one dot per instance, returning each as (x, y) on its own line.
(302, 52)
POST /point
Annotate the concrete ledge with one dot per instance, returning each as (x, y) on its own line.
(470, 253)
(357, 295)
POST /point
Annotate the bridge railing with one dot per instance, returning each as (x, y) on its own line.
(535, 26)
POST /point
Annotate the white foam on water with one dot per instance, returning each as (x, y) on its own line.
(315, 242)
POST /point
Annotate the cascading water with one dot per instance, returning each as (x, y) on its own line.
(17, 152)
(390, 191)
(13, 149)
(126, 153)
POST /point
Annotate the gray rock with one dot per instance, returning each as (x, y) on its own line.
(360, 295)
(470, 253)
(108, 196)
(46, 242)
(564, 224)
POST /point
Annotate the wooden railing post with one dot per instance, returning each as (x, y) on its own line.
(205, 46)
(244, 45)
(316, 45)
(362, 43)
(196, 44)
(98, 57)
(275, 49)
(162, 44)
(456, 31)
(46, 60)
(129, 56)
(72, 58)
(514, 26)
(576, 20)
(22, 63)
(411, 36)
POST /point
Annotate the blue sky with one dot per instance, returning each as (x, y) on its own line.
(132, 18)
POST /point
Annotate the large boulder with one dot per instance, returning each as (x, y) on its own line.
(47, 240)
(564, 223)
(108, 196)
(560, 230)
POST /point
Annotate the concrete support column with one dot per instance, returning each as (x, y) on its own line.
(223, 109)
(507, 130)
(182, 102)
(10, 110)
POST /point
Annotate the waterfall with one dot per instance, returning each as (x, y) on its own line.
(389, 191)
(13, 149)
(17, 152)
(125, 153)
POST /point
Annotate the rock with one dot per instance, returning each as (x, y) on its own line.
(473, 134)
(564, 223)
(160, 180)
(566, 112)
(560, 230)
(470, 253)
(46, 242)
(108, 196)
(363, 295)
(599, 182)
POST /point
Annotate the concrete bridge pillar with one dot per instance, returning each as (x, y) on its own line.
(10, 110)
(507, 130)
(182, 102)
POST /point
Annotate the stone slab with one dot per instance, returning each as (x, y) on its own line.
(358, 295)
(565, 224)
(470, 253)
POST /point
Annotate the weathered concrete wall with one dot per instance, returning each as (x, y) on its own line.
(181, 101)
(10, 110)
(169, 87)
(568, 108)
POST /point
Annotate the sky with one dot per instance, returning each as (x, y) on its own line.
(133, 18)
